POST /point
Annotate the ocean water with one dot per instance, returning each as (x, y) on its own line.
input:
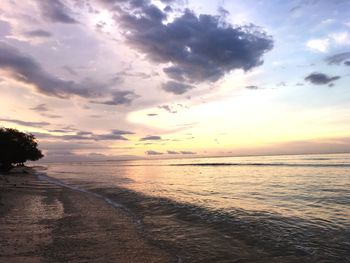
(229, 209)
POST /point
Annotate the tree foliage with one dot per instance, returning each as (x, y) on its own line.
(17, 147)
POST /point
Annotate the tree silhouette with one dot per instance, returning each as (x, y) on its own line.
(16, 148)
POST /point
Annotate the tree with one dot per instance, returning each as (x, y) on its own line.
(17, 147)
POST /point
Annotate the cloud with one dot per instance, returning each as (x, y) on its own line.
(26, 123)
(55, 11)
(320, 78)
(64, 155)
(320, 45)
(152, 114)
(38, 33)
(334, 39)
(199, 48)
(120, 97)
(168, 108)
(347, 63)
(114, 135)
(59, 130)
(40, 108)
(341, 38)
(108, 137)
(176, 87)
(70, 70)
(172, 152)
(26, 70)
(337, 58)
(121, 132)
(51, 116)
(187, 152)
(153, 153)
(151, 138)
(252, 87)
(181, 152)
(127, 73)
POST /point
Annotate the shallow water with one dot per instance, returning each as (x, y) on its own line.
(251, 209)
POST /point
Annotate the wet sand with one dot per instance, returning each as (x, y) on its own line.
(42, 222)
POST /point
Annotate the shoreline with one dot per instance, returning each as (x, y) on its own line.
(45, 222)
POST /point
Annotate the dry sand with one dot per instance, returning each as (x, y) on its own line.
(41, 222)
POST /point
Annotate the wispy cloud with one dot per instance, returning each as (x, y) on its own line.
(25, 69)
(337, 58)
(27, 123)
(55, 11)
(40, 108)
(38, 33)
(150, 152)
(151, 138)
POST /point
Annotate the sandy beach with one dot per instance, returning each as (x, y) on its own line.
(42, 222)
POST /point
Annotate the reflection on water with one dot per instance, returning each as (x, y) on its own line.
(297, 207)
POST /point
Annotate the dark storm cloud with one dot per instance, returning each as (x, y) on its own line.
(55, 11)
(121, 97)
(26, 123)
(337, 59)
(151, 138)
(25, 69)
(176, 87)
(199, 48)
(39, 33)
(320, 78)
(153, 153)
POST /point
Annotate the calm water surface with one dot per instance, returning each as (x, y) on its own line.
(251, 209)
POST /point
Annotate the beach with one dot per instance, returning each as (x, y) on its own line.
(43, 222)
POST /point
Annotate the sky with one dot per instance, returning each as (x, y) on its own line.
(126, 79)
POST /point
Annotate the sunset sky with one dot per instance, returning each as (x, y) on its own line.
(116, 79)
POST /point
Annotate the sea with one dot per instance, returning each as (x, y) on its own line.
(290, 208)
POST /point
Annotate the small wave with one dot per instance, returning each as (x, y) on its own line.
(265, 164)
(51, 180)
